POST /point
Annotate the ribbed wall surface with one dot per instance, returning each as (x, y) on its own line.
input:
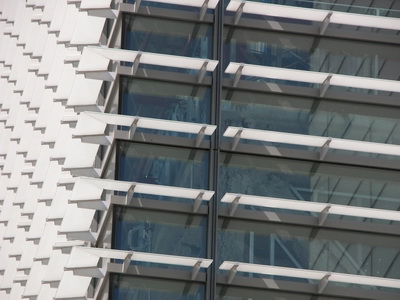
(40, 45)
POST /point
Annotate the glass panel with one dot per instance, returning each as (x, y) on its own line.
(163, 165)
(335, 119)
(304, 180)
(167, 36)
(164, 5)
(308, 248)
(165, 100)
(160, 232)
(301, 52)
(379, 8)
(130, 287)
(238, 293)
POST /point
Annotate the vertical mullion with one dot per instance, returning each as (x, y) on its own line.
(215, 144)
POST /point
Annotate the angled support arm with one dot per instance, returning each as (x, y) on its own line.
(132, 130)
(325, 23)
(127, 261)
(196, 269)
(323, 283)
(203, 71)
(130, 193)
(238, 13)
(324, 214)
(324, 149)
(232, 272)
(197, 201)
(136, 63)
(200, 135)
(203, 9)
(234, 205)
(238, 74)
(325, 85)
(236, 138)
(137, 5)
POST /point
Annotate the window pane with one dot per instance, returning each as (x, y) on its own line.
(131, 287)
(163, 165)
(238, 293)
(301, 52)
(377, 8)
(303, 180)
(308, 248)
(310, 116)
(168, 36)
(165, 100)
(160, 232)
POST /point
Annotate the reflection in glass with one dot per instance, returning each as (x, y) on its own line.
(165, 100)
(375, 8)
(335, 119)
(304, 180)
(167, 36)
(301, 52)
(136, 288)
(163, 165)
(160, 232)
(308, 248)
(239, 293)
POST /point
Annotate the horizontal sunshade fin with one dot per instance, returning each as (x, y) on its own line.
(97, 59)
(88, 257)
(83, 186)
(311, 141)
(309, 274)
(91, 123)
(195, 3)
(334, 209)
(313, 77)
(316, 15)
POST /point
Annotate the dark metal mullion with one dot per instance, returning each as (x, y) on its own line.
(211, 282)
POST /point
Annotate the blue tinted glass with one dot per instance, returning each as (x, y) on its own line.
(160, 232)
(335, 119)
(136, 288)
(165, 100)
(305, 248)
(303, 180)
(240, 293)
(376, 8)
(165, 5)
(163, 165)
(168, 36)
(302, 52)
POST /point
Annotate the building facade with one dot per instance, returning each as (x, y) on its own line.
(202, 149)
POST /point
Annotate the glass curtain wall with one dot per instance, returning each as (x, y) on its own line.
(161, 225)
